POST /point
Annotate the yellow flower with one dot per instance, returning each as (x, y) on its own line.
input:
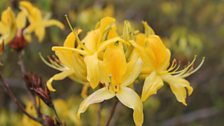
(37, 22)
(9, 24)
(71, 63)
(92, 46)
(156, 62)
(117, 75)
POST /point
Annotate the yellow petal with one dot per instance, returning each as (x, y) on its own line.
(33, 13)
(70, 40)
(133, 69)
(97, 97)
(115, 62)
(130, 98)
(59, 76)
(161, 53)
(8, 16)
(105, 22)
(52, 22)
(151, 85)
(104, 78)
(92, 65)
(21, 20)
(91, 40)
(180, 87)
(40, 33)
(148, 29)
(72, 60)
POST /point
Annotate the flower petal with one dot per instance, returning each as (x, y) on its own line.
(92, 40)
(70, 40)
(97, 97)
(151, 85)
(21, 20)
(40, 32)
(93, 73)
(115, 62)
(133, 69)
(130, 98)
(180, 87)
(58, 76)
(52, 22)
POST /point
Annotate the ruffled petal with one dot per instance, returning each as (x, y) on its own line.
(59, 76)
(97, 97)
(130, 98)
(151, 85)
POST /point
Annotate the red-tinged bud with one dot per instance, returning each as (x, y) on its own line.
(18, 42)
(34, 84)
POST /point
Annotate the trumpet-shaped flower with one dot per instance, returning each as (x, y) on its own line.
(92, 47)
(14, 30)
(70, 63)
(117, 75)
(37, 22)
(9, 24)
(156, 62)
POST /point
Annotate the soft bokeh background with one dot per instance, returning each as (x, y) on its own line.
(188, 27)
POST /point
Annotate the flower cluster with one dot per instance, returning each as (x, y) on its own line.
(111, 62)
(16, 30)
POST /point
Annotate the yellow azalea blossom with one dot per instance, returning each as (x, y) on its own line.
(92, 46)
(71, 63)
(13, 27)
(37, 22)
(9, 25)
(118, 74)
(156, 58)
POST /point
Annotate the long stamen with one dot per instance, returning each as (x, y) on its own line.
(194, 70)
(186, 70)
(49, 64)
(72, 29)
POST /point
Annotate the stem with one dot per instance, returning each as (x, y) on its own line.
(21, 63)
(16, 101)
(112, 112)
(56, 114)
(99, 114)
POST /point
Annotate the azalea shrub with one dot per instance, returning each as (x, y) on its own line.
(104, 70)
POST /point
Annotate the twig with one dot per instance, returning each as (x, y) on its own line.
(21, 63)
(56, 114)
(16, 101)
(112, 112)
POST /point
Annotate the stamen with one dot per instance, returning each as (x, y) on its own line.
(194, 70)
(49, 64)
(72, 29)
(186, 70)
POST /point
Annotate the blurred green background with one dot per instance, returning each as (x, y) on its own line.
(188, 27)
